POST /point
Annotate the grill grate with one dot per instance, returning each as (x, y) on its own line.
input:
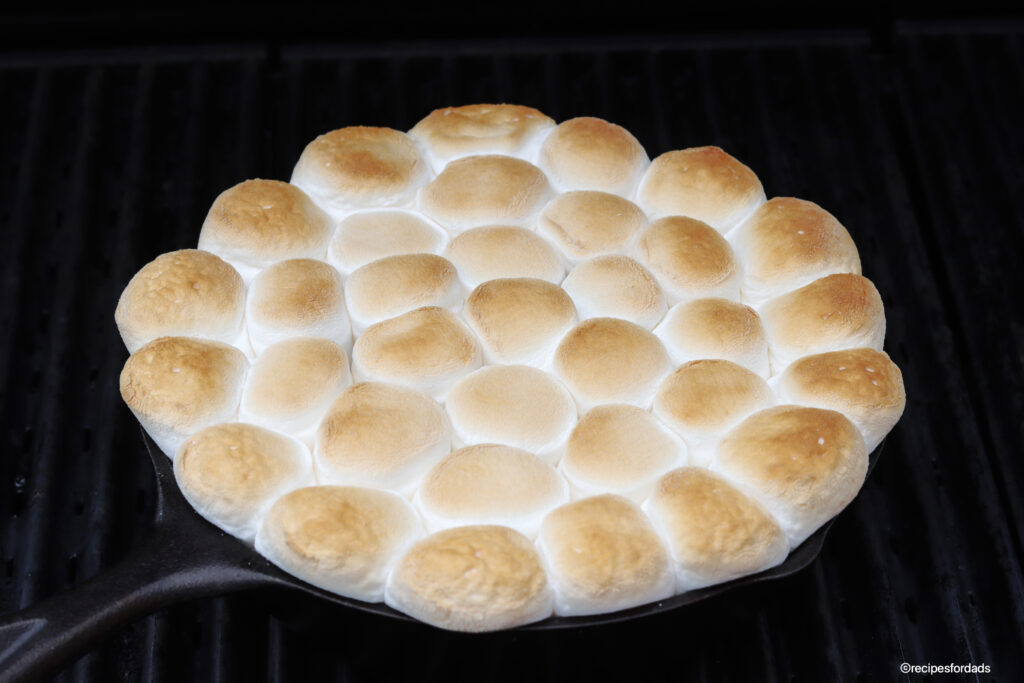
(110, 158)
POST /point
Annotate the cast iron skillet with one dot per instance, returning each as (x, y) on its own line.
(185, 557)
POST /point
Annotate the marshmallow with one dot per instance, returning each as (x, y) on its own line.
(585, 224)
(503, 251)
(603, 555)
(398, 284)
(361, 167)
(519, 320)
(291, 385)
(618, 448)
(715, 533)
(475, 578)
(484, 190)
(689, 259)
(832, 313)
(606, 360)
(704, 183)
(344, 539)
(786, 244)
(804, 465)
(259, 222)
(381, 436)
(187, 293)
(703, 399)
(862, 384)
(455, 132)
(514, 405)
(297, 298)
(232, 473)
(427, 349)
(366, 236)
(715, 328)
(490, 484)
(616, 287)
(175, 386)
(588, 153)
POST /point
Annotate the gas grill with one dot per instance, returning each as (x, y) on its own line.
(909, 133)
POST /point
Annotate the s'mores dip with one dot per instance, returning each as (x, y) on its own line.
(500, 368)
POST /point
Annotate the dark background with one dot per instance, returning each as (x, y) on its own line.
(120, 126)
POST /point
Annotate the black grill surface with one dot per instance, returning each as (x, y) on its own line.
(912, 137)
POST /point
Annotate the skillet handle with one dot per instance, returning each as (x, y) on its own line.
(168, 568)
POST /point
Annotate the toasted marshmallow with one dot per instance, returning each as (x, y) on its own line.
(514, 405)
(786, 244)
(490, 484)
(616, 287)
(232, 473)
(703, 399)
(519, 320)
(832, 313)
(715, 533)
(344, 539)
(395, 285)
(588, 223)
(188, 293)
(804, 465)
(503, 251)
(485, 190)
(428, 349)
(455, 132)
(603, 555)
(689, 259)
(475, 578)
(715, 328)
(292, 384)
(607, 360)
(862, 384)
(257, 223)
(588, 153)
(703, 183)
(381, 436)
(361, 167)
(297, 298)
(618, 448)
(175, 386)
(370, 235)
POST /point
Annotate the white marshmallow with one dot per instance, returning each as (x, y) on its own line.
(292, 384)
(297, 298)
(603, 555)
(428, 349)
(514, 405)
(361, 167)
(395, 285)
(788, 243)
(188, 293)
(175, 386)
(365, 236)
(715, 329)
(703, 399)
(621, 449)
(257, 223)
(616, 287)
(503, 251)
(490, 484)
(381, 436)
(455, 132)
(369, 531)
(232, 473)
